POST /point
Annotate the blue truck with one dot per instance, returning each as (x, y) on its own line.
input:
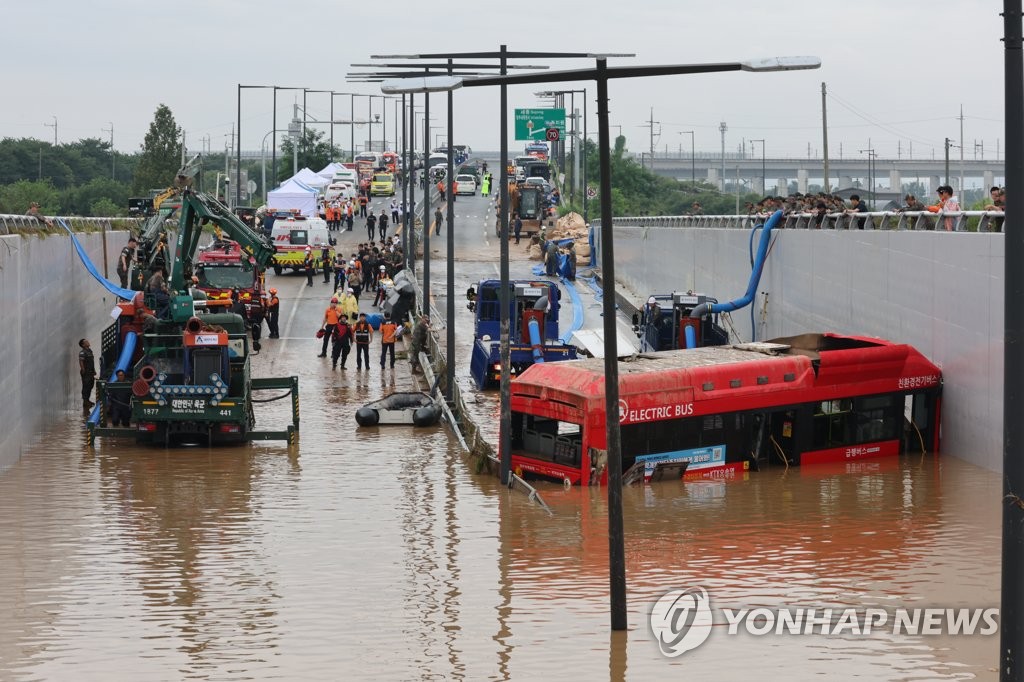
(533, 330)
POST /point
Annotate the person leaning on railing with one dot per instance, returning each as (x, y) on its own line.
(998, 204)
(947, 203)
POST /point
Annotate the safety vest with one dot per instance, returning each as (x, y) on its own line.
(274, 304)
(362, 332)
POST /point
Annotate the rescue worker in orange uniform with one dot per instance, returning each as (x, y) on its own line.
(330, 321)
(273, 310)
(387, 340)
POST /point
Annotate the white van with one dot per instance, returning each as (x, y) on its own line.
(339, 190)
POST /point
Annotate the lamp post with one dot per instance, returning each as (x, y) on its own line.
(263, 162)
(1011, 628)
(602, 73)
(764, 178)
(273, 127)
(693, 160)
(572, 103)
(238, 151)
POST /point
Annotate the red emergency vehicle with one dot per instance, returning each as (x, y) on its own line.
(223, 265)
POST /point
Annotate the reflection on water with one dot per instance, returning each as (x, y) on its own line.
(377, 554)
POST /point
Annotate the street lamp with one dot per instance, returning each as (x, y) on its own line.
(602, 74)
(273, 127)
(1011, 630)
(263, 162)
(764, 178)
(575, 132)
(238, 152)
(693, 160)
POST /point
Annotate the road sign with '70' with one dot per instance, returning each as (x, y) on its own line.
(533, 124)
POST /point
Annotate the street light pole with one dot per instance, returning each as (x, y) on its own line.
(450, 282)
(1011, 630)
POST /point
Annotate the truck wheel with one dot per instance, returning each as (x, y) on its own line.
(277, 269)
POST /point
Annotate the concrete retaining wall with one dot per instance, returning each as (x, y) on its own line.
(940, 292)
(47, 302)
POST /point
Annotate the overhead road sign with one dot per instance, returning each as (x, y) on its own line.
(532, 124)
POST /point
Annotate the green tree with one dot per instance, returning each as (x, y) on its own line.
(18, 196)
(161, 152)
(82, 200)
(313, 153)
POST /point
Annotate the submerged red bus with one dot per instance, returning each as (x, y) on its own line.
(727, 409)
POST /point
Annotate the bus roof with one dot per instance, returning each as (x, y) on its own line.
(826, 366)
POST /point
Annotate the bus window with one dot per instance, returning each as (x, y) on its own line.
(548, 439)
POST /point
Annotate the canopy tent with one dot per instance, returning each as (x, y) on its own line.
(293, 194)
(328, 170)
(311, 179)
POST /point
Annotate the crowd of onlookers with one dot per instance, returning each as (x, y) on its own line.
(822, 203)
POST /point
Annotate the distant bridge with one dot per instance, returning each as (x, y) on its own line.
(887, 173)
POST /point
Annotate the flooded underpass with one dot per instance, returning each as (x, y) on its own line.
(378, 554)
(383, 557)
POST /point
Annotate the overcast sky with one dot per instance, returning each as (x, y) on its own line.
(897, 71)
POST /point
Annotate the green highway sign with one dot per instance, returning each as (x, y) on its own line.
(532, 124)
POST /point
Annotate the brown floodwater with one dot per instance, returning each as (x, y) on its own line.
(381, 555)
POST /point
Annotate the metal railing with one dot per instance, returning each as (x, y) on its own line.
(956, 221)
(10, 223)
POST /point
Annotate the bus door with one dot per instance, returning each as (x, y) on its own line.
(788, 434)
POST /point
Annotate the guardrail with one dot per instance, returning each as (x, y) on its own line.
(10, 223)
(958, 221)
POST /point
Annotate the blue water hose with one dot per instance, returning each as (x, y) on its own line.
(123, 360)
(535, 341)
(755, 275)
(126, 294)
(577, 310)
(691, 337)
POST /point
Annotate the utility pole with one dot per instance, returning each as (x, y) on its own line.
(722, 128)
(963, 189)
(650, 124)
(54, 126)
(947, 159)
(112, 156)
(824, 135)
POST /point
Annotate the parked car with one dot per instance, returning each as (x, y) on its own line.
(465, 184)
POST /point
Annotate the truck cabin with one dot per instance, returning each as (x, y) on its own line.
(530, 205)
(524, 299)
(662, 326)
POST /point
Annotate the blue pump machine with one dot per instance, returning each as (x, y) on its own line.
(533, 332)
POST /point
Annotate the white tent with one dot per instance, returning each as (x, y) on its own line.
(293, 194)
(311, 179)
(328, 170)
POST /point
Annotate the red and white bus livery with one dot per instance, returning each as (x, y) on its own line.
(728, 409)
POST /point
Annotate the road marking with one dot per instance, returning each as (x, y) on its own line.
(291, 316)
